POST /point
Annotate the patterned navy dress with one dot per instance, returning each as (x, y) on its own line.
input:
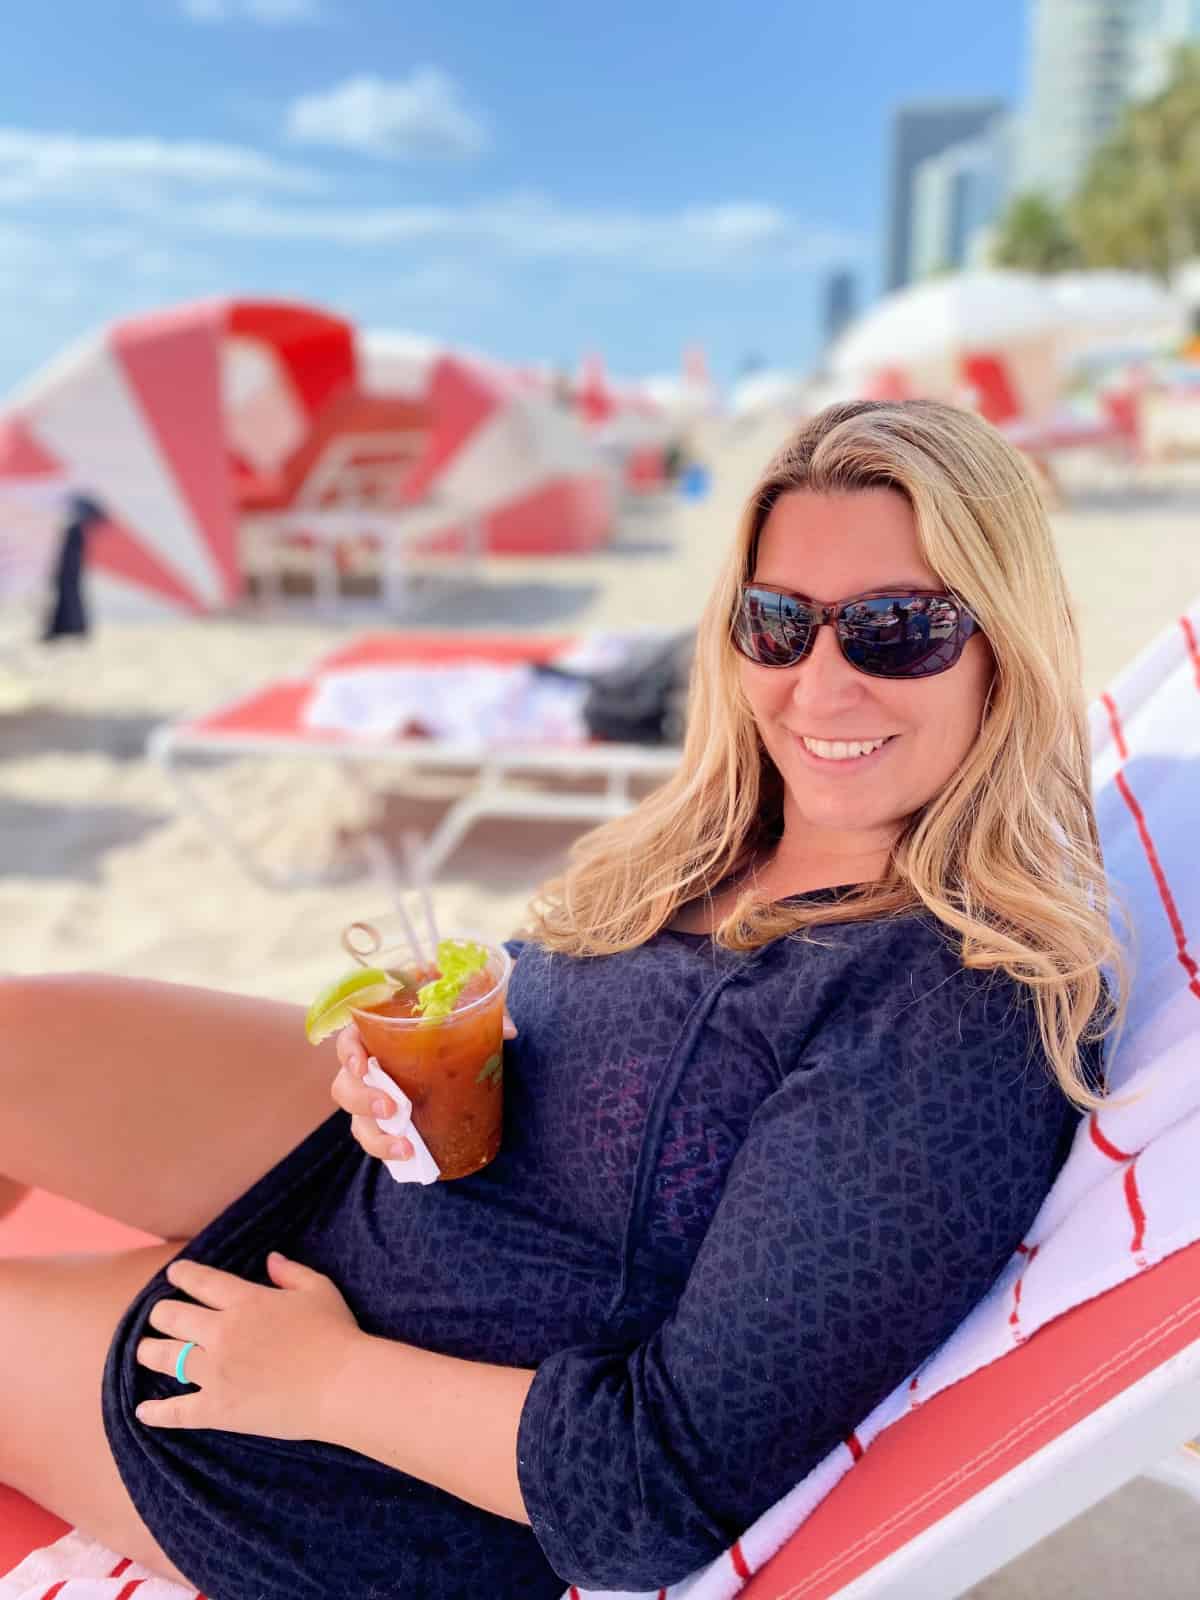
(740, 1197)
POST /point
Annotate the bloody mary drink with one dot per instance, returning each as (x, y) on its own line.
(449, 1066)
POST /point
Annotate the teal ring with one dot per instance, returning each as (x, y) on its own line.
(181, 1359)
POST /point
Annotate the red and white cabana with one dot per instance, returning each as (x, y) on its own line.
(991, 338)
(635, 433)
(186, 424)
(135, 417)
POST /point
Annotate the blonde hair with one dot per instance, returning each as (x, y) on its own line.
(1006, 856)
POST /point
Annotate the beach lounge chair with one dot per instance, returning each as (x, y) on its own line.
(1081, 1367)
(505, 775)
(339, 487)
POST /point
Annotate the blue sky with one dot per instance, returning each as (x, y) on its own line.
(533, 178)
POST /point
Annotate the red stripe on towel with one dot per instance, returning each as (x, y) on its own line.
(1189, 633)
(1105, 1146)
(1167, 898)
(120, 1567)
(739, 1560)
(1136, 1210)
(1114, 722)
(55, 1588)
(854, 1445)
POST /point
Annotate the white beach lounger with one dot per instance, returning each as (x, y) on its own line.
(502, 758)
(1077, 1372)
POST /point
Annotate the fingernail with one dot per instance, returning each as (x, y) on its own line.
(402, 1149)
(381, 1107)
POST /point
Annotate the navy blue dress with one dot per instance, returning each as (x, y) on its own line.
(740, 1198)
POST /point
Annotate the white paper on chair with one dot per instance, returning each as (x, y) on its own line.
(470, 703)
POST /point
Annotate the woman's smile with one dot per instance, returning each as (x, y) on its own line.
(843, 755)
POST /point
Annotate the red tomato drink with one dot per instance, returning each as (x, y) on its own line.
(449, 1067)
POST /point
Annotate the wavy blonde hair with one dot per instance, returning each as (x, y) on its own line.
(1006, 856)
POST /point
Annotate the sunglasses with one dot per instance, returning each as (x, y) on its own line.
(896, 633)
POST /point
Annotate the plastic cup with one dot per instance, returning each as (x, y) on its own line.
(450, 1067)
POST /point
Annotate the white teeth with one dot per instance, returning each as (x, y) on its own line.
(841, 749)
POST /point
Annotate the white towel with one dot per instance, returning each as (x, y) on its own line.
(469, 702)
(1126, 1195)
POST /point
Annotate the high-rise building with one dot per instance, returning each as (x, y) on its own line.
(1160, 27)
(957, 195)
(1081, 66)
(919, 131)
(841, 302)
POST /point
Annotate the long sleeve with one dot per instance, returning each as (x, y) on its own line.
(879, 1191)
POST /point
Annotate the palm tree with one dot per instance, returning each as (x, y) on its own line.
(1033, 235)
(1138, 205)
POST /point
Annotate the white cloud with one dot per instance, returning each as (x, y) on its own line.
(34, 164)
(412, 118)
(735, 236)
(268, 13)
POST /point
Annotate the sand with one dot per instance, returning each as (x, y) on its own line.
(100, 868)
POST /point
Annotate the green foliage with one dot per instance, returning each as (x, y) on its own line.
(1033, 235)
(1138, 205)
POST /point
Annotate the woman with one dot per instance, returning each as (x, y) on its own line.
(801, 1042)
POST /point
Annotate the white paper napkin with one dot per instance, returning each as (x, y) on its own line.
(420, 1167)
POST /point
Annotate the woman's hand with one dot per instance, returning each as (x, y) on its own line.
(366, 1105)
(263, 1358)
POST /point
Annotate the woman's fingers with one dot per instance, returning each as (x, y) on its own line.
(358, 1098)
(365, 1104)
(510, 1027)
(384, 1146)
(162, 1355)
(180, 1319)
(352, 1053)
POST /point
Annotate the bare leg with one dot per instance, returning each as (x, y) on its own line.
(154, 1103)
(57, 1318)
(11, 1194)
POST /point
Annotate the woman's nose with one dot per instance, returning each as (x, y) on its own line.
(825, 674)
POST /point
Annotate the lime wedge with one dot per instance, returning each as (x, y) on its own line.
(361, 989)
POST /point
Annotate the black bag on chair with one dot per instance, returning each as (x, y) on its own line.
(644, 700)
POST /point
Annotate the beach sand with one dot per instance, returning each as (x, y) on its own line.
(100, 869)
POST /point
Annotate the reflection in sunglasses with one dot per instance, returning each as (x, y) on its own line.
(889, 635)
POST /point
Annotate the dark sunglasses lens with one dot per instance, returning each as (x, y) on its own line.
(900, 636)
(772, 629)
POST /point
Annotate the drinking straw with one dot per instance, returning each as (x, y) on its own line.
(418, 874)
(381, 863)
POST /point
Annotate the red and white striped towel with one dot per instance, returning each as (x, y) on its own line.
(1126, 1197)
(77, 1568)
